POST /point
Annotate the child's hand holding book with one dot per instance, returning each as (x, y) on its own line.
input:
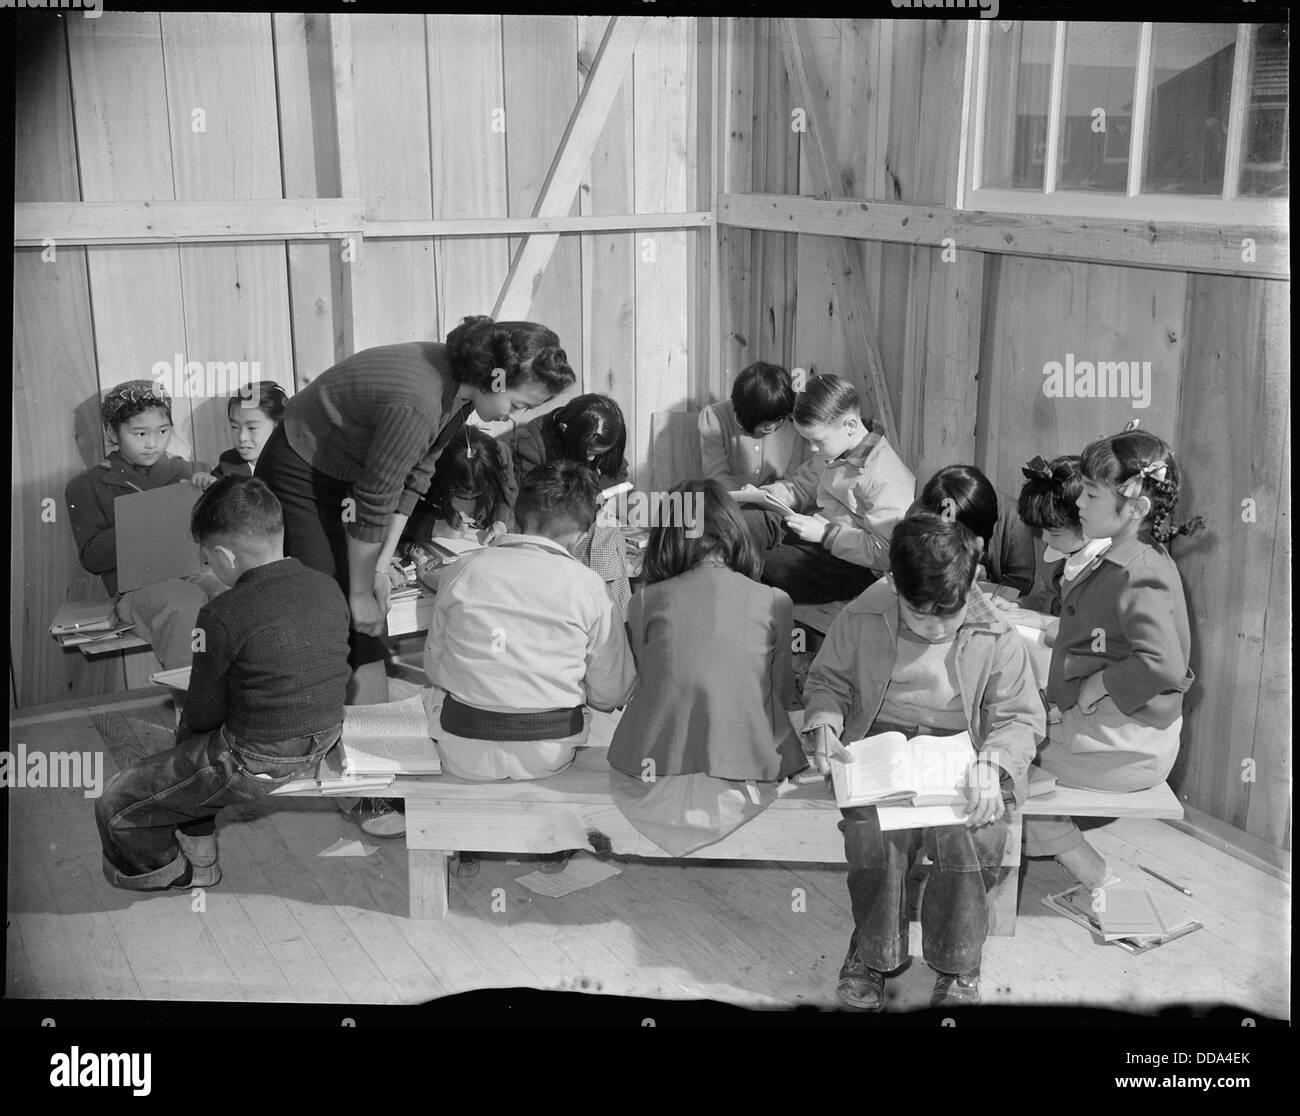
(823, 745)
(983, 792)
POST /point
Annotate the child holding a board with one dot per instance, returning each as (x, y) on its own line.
(934, 660)
(137, 418)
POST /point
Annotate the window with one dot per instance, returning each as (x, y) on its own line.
(1177, 121)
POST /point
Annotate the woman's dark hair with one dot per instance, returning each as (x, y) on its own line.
(561, 492)
(963, 493)
(133, 397)
(1138, 463)
(762, 393)
(1049, 498)
(237, 506)
(525, 351)
(718, 529)
(472, 465)
(588, 422)
(825, 400)
(933, 561)
(262, 395)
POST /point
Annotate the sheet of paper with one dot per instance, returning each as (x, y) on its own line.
(1040, 655)
(343, 847)
(582, 871)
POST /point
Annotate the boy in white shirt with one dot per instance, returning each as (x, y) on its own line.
(523, 635)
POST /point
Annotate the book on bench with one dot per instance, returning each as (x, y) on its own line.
(75, 617)
(391, 738)
(889, 769)
(329, 779)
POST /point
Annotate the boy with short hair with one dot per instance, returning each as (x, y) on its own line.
(847, 498)
(137, 420)
(265, 700)
(522, 635)
(933, 659)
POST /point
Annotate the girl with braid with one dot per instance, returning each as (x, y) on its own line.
(1120, 662)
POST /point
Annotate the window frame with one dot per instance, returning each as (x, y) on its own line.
(1226, 208)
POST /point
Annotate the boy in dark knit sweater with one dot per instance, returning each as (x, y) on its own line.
(265, 700)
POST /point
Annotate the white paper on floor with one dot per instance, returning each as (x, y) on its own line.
(342, 847)
(581, 872)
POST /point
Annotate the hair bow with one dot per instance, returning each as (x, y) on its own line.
(1152, 470)
(1037, 468)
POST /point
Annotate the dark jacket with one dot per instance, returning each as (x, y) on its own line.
(90, 497)
(230, 464)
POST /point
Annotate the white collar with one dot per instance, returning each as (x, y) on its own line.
(1077, 562)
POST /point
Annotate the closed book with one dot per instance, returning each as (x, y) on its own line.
(83, 616)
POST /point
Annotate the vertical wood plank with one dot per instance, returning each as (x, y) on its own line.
(309, 170)
(539, 59)
(609, 259)
(664, 84)
(397, 300)
(468, 150)
(236, 296)
(736, 245)
(55, 389)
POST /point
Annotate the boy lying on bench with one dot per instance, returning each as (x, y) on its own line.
(522, 635)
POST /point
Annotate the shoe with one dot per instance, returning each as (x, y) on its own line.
(860, 987)
(956, 990)
(379, 818)
(201, 852)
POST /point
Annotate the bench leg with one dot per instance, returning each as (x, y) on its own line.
(427, 870)
(1003, 897)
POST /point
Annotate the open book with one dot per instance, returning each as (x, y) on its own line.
(763, 499)
(391, 738)
(450, 548)
(890, 768)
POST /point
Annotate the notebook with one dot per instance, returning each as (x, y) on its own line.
(1126, 912)
(329, 779)
(890, 768)
(391, 738)
(153, 536)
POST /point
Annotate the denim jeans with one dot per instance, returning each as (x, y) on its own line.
(966, 863)
(185, 788)
(808, 572)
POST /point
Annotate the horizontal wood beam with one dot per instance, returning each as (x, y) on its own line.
(517, 226)
(1167, 245)
(171, 222)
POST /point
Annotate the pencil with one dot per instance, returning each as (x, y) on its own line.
(1164, 879)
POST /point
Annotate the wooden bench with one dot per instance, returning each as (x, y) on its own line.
(574, 810)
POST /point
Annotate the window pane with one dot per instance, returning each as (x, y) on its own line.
(1097, 106)
(1017, 94)
(1266, 150)
(1191, 85)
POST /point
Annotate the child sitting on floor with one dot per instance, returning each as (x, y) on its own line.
(522, 635)
(847, 499)
(750, 438)
(935, 660)
(253, 413)
(1120, 664)
(137, 419)
(705, 741)
(265, 701)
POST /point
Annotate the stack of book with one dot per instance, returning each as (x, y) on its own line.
(79, 623)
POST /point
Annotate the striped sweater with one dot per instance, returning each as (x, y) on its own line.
(379, 419)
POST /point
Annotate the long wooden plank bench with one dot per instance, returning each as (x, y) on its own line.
(574, 810)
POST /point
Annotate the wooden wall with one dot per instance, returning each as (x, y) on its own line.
(107, 110)
(964, 343)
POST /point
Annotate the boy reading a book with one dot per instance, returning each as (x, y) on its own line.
(265, 700)
(137, 418)
(935, 659)
(522, 635)
(845, 501)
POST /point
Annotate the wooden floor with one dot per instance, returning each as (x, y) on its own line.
(288, 925)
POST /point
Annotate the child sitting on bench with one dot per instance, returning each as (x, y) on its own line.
(137, 417)
(265, 701)
(1120, 663)
(522, 635)
(847, 499)
(705, 741)
(1049, 506)
(936, 660)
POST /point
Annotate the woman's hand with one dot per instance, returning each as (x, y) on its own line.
(203, 481)
(810, 528)
(369, 610)
(825, 746)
